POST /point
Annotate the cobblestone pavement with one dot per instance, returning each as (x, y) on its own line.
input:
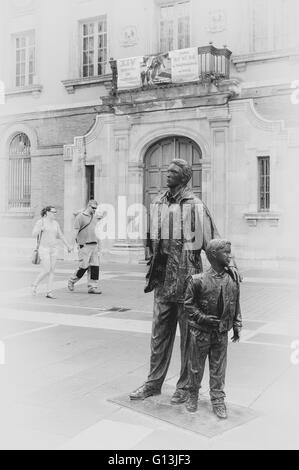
(66, 358)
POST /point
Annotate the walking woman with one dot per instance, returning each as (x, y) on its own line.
(49, 232)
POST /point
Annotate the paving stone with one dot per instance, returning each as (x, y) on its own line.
(108, 435)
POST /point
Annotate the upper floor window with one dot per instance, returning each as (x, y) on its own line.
(174, 26)
(19, 185)
(24, 59)
(264, 183)
(261, 26)
(94, 47)
(288, 17)
(274, 24)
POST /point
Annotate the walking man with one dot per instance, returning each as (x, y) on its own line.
(175, 258)
(88, 248)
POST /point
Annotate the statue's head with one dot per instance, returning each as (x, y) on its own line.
(219, 252)
(179, 173)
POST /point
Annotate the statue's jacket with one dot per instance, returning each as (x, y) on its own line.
(212, 294)
(178, 256)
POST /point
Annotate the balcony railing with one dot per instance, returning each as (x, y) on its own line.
(214, 63)
(156, 70)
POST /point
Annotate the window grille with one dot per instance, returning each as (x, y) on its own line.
(19, 196)
(264, 183)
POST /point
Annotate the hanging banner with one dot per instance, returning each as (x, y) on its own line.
(129, 72)
(172, 67)
(184, 65)
(156, 69)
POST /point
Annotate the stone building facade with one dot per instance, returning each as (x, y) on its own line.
(240, 132)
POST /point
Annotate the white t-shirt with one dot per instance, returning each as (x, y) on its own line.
(51, 233)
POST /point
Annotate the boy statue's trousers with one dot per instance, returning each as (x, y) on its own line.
(214, 346)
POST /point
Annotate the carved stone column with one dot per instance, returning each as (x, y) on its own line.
(206, 183)
(130, 213)
(74, 183)
(219, 194)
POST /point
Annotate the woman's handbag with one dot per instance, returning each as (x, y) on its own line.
(35, 257)
(35, 254)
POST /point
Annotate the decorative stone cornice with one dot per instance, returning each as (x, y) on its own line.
(219, 117)
(232, 85)
(71, 85)
(241, 61)
(17, 214)
(172, 97)
(252, 218)
(78, 148)
(34, 90)
(261, 89)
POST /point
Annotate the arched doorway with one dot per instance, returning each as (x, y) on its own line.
(158, 158)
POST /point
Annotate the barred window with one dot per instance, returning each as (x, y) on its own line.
(264, 183)
(94, 47)
(174, 26)
(19, 196)
(25, 59)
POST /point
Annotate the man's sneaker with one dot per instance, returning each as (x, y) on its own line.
(49, 295)
(144, 392)
(179, 396)
(220, 411)
(192, 402)
(94, 290)
(71, 286)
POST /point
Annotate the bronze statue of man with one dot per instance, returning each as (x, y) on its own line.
(184, 227)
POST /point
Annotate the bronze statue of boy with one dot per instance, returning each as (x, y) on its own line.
(212, 306)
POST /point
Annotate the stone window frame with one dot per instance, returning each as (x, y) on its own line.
(29, 37)
(268, 214)
(95, 20)
(8, 136)
(264, 183)
(174, 4)
(30, 87)
(279, 32)
(72, 84)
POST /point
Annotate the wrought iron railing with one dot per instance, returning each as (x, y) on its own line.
(214, 63)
